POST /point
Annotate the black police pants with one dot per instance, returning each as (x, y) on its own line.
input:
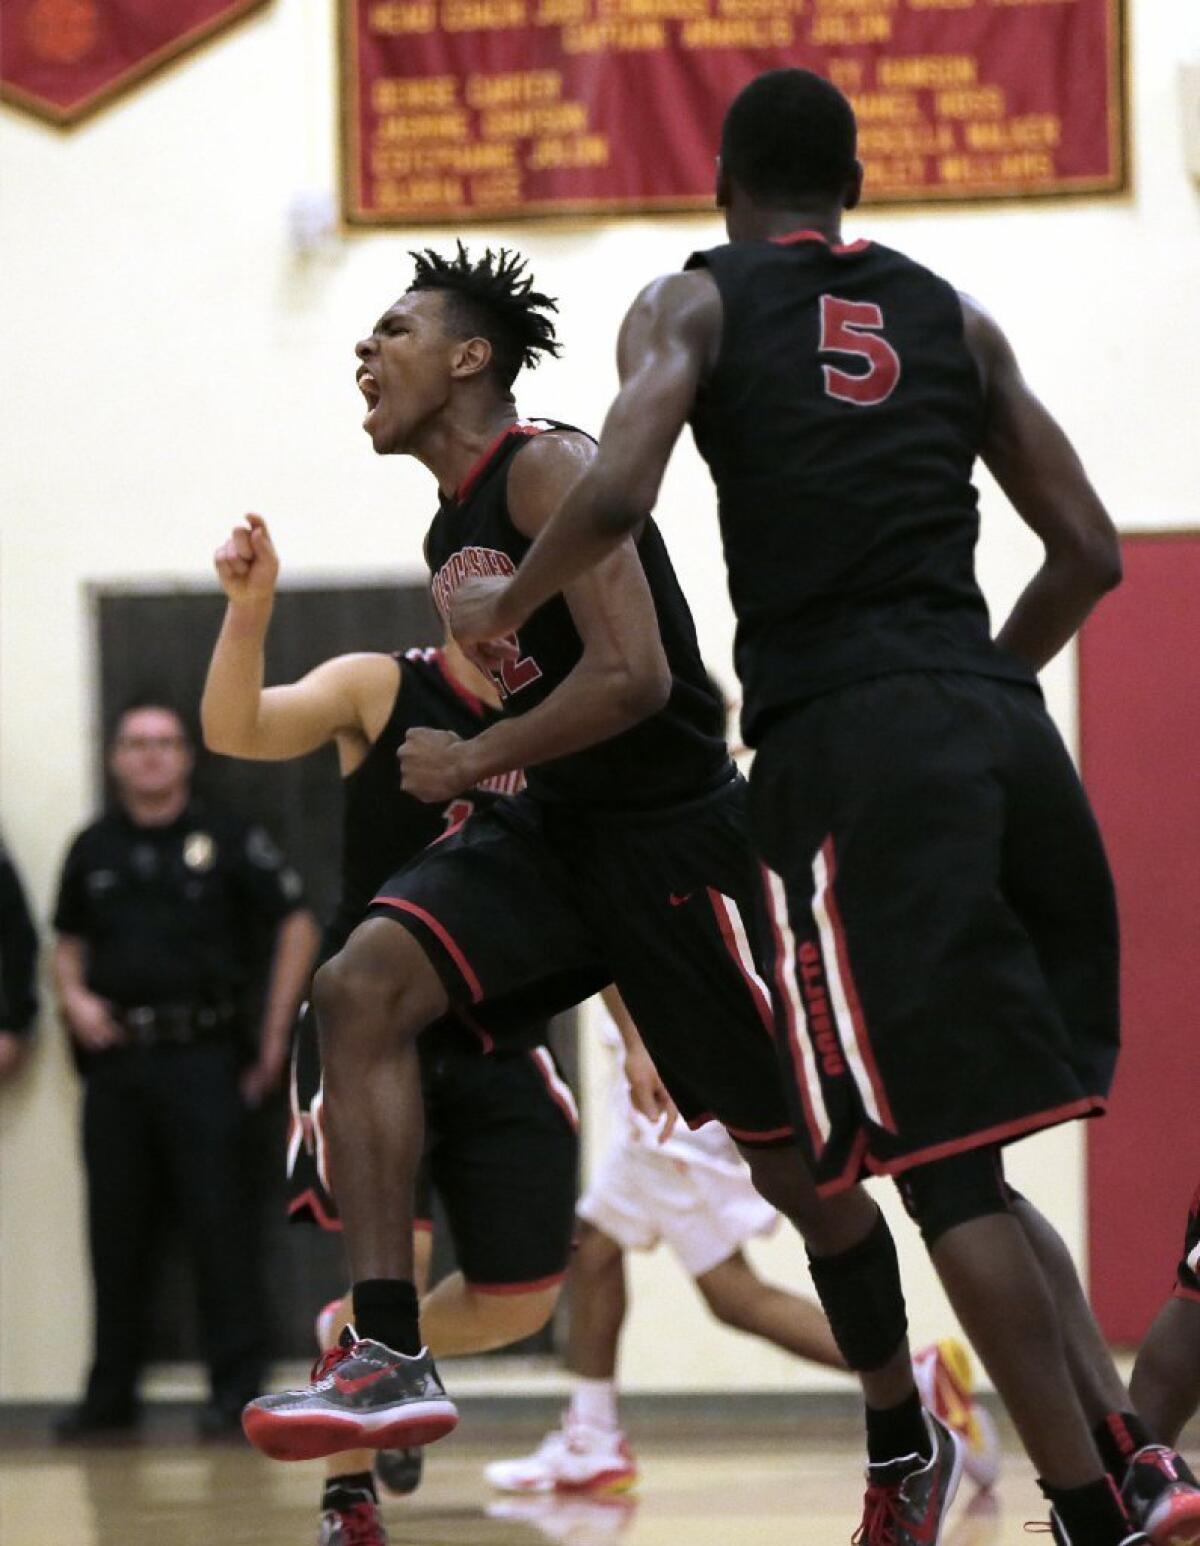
(166, 1124)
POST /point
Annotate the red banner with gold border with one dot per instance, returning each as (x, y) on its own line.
(63, 59)
(478, 109)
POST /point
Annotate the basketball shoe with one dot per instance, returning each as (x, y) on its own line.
(573, 1458)
(1161, 1495)
(400, 1470)
(363, 1395)
(946, 1384)
(907, 1499)
(352, 1524)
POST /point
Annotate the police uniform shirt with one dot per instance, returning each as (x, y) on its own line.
(18, 953)
(168, 913)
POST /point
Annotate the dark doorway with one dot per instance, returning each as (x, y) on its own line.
(157, 643)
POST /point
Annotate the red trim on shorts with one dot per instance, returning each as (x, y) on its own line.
(1181, 1291)
(792, 238)
(479, 467)
(401, 904)
(567, 1108)
(789, 1013)
(310, 1198)
(475, 704)
(761, 1002)
(536, 1287)
(773, 1135)
(1090, 1105)
(424, 1225)
(850, 988)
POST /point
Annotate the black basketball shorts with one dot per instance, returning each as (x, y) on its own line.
(942, 920)
(501, 1152)
(528, 901)
(1187, 1282)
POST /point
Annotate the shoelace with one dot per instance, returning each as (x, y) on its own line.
(359, 1525)
(881, 1516)
(327, 1361)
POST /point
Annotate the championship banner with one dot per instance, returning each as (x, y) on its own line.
(480, 109)
(63, 59)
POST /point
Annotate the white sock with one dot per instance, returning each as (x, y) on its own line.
(594, 1404)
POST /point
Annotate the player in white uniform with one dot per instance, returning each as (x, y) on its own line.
(663, 1184)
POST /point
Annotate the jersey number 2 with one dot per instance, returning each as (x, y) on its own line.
(853, 327)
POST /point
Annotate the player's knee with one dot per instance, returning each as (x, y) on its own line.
(364, 987)
(513, 1317)
(941, 1196)
(728, 1306)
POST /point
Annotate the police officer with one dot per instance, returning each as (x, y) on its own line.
(18, 968)
(159, 903)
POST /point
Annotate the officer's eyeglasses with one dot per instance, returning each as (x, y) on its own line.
(150, 743)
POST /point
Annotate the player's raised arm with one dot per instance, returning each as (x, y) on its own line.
(240, 717)
(1040, 472)
(668, 342)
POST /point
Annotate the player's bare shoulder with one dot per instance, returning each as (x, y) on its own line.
(544, 472)
(367, 684)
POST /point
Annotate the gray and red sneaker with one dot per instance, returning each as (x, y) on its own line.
(353, 1524)
(1162, 1496)
(908, 1499)
(363, 1395)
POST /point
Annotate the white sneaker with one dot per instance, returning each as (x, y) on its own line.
(571, 1459)
(946, 1384)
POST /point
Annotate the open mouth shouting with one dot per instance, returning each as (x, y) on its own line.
(370, 390)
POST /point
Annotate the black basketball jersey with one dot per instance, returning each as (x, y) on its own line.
(672, 756)
(382, 827)
(841, 424)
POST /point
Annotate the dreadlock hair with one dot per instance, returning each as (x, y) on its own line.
(492, 298)
(787, 135)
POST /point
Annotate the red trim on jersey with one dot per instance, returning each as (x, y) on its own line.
(476, 705)
(761, 1002)
(311, 1199)
(850, 989)
(480, 466)
(401, 904)
(536, 1287)
(424, 1226)
(1090, 1105)
(487, 1041)
(1181, 1291)
(792, 238)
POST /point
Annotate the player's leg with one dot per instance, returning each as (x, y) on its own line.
(740, 1299)
(1166, 1377)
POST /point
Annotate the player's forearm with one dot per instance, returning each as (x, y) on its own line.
(592, 522)
(1055, 604)
(230, 707)
(593, 704)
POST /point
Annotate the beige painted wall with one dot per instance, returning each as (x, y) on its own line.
(169, 363)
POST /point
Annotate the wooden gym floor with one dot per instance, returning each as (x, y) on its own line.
(798, 1489)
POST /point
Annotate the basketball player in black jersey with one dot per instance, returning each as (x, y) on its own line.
(501, 1146)
(626, 857)
(946, 961)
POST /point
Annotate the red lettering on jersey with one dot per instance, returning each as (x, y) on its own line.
(455, 814)
(852, 327)
(473, 563)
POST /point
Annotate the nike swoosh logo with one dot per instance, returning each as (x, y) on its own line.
(348, 1387)
(679, 898)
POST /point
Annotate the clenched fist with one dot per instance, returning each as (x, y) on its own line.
(248, 565)
(434, 765)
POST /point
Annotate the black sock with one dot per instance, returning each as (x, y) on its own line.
(344, 1491)
(1092, 1515)
(385, 1310)
(1119, 1436)
(894, 1432)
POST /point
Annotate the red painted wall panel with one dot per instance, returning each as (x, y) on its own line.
(1140, 752)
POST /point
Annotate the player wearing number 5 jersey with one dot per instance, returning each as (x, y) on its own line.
(945, 961)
